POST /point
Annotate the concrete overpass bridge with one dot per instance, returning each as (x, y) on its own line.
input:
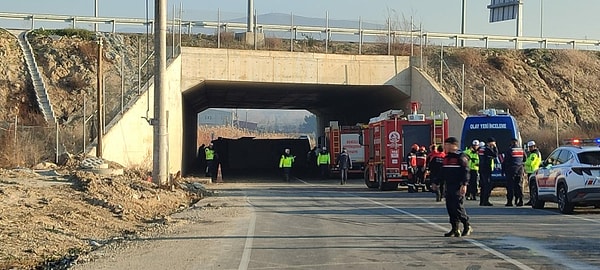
(345, 88)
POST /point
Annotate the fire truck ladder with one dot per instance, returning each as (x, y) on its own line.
(335, 144)
(438, 128)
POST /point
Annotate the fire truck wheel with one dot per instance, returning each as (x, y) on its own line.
(369, 183)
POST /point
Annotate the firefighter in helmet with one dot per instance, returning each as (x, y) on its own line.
(421, 162)
(411, 159)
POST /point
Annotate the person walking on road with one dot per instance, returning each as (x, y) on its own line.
(323, 161)
(533, 162)
(211, 162)
(344, 163)
(473, 155)
(435, 170)
(512, 166)
(285, 162)
(487, 154)
(455, 171)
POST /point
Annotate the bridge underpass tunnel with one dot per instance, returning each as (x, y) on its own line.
(347, 104)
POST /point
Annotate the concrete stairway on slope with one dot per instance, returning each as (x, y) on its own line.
(38, 82)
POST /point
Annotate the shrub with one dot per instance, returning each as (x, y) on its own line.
(69, 32)
(273, 43)
(89, 50)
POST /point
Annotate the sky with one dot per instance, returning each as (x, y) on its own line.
(561, 18)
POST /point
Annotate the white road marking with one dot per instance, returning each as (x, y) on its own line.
(538, 248)
(565, 262)
(474, 242)
(245, 260)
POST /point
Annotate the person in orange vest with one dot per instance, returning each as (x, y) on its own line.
(421, 163)
(411, 160)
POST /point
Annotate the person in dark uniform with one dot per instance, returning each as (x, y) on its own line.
(455, 171)
(345, 163)
(411, 160)
(201, 158)
(512, 166)
(487, 154)
(435, 167)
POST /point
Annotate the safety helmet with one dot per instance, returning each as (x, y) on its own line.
(476, 142)
(530, 143)
(481, 144)
(324, 148)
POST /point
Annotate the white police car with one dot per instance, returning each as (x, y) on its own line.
(570, 176)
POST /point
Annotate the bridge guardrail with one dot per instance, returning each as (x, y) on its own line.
(543, 42)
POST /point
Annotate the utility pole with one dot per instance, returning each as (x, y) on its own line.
(99, 98)
(159, 122)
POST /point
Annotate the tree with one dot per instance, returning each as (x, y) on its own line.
(309, 125)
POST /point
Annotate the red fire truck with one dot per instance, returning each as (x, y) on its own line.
(339, 137)
(388, 140)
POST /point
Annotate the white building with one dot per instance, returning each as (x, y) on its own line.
(215, 117)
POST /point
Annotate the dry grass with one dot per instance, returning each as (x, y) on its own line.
(208, 133)
(273, 43)
(29, 147)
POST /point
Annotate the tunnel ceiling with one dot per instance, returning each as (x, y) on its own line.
(350, 102)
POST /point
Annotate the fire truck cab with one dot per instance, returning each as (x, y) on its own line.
(388, 139)
(344, 137)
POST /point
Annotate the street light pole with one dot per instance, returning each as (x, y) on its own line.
(99, 98)
(541, 18)
(96, 15)
(463, 25)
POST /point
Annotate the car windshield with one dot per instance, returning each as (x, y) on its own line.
(591, 158)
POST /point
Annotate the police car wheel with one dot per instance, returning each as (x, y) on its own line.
(564, 205)
(536, 203)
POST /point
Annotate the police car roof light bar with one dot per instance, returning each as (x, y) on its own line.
(581, 142)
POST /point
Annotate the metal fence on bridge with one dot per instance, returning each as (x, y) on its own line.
(389, 31)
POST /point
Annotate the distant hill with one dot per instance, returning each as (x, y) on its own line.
(284, 19)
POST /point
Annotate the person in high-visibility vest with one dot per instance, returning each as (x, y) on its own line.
(473, 154)
(323, 161)
(533, 162)
(211, 163)
(285, 162)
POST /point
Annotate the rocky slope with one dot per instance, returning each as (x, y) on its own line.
(541, 88)
(16, 95)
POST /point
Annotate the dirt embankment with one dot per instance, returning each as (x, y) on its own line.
(49, 221)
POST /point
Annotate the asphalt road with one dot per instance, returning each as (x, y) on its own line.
(322, 225)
